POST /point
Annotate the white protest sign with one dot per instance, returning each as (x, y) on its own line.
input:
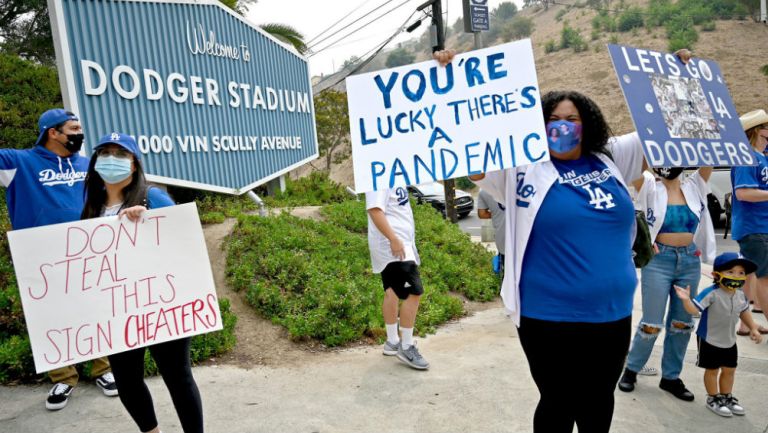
(422, 123)
(101, 286)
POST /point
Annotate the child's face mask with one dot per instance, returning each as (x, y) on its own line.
(730, 282)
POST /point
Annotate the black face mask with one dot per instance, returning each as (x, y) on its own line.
(668, 173)
(731, 283)
(74, 142)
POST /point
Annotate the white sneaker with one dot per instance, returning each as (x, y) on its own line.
(648, 371)
(717, 405)
(58, 396)
(733, 404)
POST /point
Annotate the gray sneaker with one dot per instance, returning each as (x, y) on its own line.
(412, 357)
(391, 349)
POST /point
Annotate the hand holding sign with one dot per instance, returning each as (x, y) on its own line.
(422, 123)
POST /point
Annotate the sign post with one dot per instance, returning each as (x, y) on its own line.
(476, 16)
(214, 102)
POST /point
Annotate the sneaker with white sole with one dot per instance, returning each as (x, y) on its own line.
(732, 403)
(107, 384)
(718, 405)
(390, 349)
(412, 357)
(648, 371)
(58, 396)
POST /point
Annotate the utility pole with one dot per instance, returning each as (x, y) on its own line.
(437, 32)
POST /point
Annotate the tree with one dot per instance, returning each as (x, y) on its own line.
(332, 119)
(532, 3)
(287, 34)
(350, 62)
(400, 57)
(504, 11)
(520, 27)
(25, 30)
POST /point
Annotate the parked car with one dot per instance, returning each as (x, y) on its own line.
(434, 194)
(721, 190)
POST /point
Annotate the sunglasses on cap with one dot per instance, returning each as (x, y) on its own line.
(118, 152)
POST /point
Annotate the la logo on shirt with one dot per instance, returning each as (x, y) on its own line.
(590, 182)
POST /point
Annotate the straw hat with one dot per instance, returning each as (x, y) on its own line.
(753, 118)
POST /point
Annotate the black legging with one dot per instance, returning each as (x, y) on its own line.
(172, 359)
(576, 367)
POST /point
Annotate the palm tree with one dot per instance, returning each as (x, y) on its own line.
(283, 32)
(288, 35)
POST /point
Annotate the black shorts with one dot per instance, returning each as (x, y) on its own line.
(403, 278)
(713, 357)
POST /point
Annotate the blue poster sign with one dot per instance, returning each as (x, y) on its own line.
(214, 102)
(683, 112)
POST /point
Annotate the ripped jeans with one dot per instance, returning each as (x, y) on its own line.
(671, 266)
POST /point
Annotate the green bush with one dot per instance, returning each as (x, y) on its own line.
(630, 19)
(315, 279)
(314, 190)
(681, 33)
(709, 26)
(560, 14)
(27, 90)
(550, 46)
(603, 21)
(764, 70)
(571, 38)
(517, 28)
(464, 183)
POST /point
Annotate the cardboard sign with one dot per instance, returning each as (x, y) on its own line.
(683, 112)
(422, 123)
(101, 286)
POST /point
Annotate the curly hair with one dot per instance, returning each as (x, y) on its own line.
(595, 130)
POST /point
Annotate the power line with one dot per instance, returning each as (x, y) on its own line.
(358, 29)
(350, 24)
(376, 50)
(340, 20)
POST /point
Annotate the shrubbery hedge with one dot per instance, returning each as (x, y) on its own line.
(315, 278)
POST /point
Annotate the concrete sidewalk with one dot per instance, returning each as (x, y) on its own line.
(479, 382)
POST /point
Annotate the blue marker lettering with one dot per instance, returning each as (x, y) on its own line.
(398, 170)
(470, 157)
(375, 174)
(474, 76)
(493, 152)
(527, 151)
(386, 89)
(494, 63)
(366, 141)
(414, 96)
(418, 161)
(443, 153)
(449, 79)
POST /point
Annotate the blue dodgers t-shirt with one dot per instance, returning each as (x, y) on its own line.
(578, 264)
(748, 217)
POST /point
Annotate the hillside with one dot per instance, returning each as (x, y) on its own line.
(736, 45)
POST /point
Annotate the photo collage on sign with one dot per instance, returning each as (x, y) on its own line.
(684, 107)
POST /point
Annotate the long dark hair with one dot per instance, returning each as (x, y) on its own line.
(134, 193)
(595, 130)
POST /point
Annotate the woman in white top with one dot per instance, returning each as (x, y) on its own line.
(680, 225)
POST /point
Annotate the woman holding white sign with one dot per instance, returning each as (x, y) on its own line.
(570, 274)
(115, 185)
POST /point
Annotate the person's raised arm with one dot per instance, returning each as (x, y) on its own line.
(685, 295)
(754, 330)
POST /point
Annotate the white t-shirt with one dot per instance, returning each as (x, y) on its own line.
(397, 209)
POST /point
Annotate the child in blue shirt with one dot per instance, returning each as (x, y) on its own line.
(721, 307)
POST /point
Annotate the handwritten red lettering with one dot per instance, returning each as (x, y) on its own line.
(70, 240)
(157, 227)
(45, 280)
(108, 241)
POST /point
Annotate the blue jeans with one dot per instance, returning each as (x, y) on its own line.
(671, 266)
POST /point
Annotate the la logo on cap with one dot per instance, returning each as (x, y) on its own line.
(115, 136)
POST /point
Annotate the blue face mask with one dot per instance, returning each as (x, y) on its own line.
(113, 169)
(563, 136)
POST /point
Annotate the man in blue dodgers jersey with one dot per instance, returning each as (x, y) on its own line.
(392, 243)
(44, 185)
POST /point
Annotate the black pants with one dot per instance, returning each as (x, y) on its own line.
(576, 367)
(172, 359)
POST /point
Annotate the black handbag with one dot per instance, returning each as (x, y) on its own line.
(642, 249)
